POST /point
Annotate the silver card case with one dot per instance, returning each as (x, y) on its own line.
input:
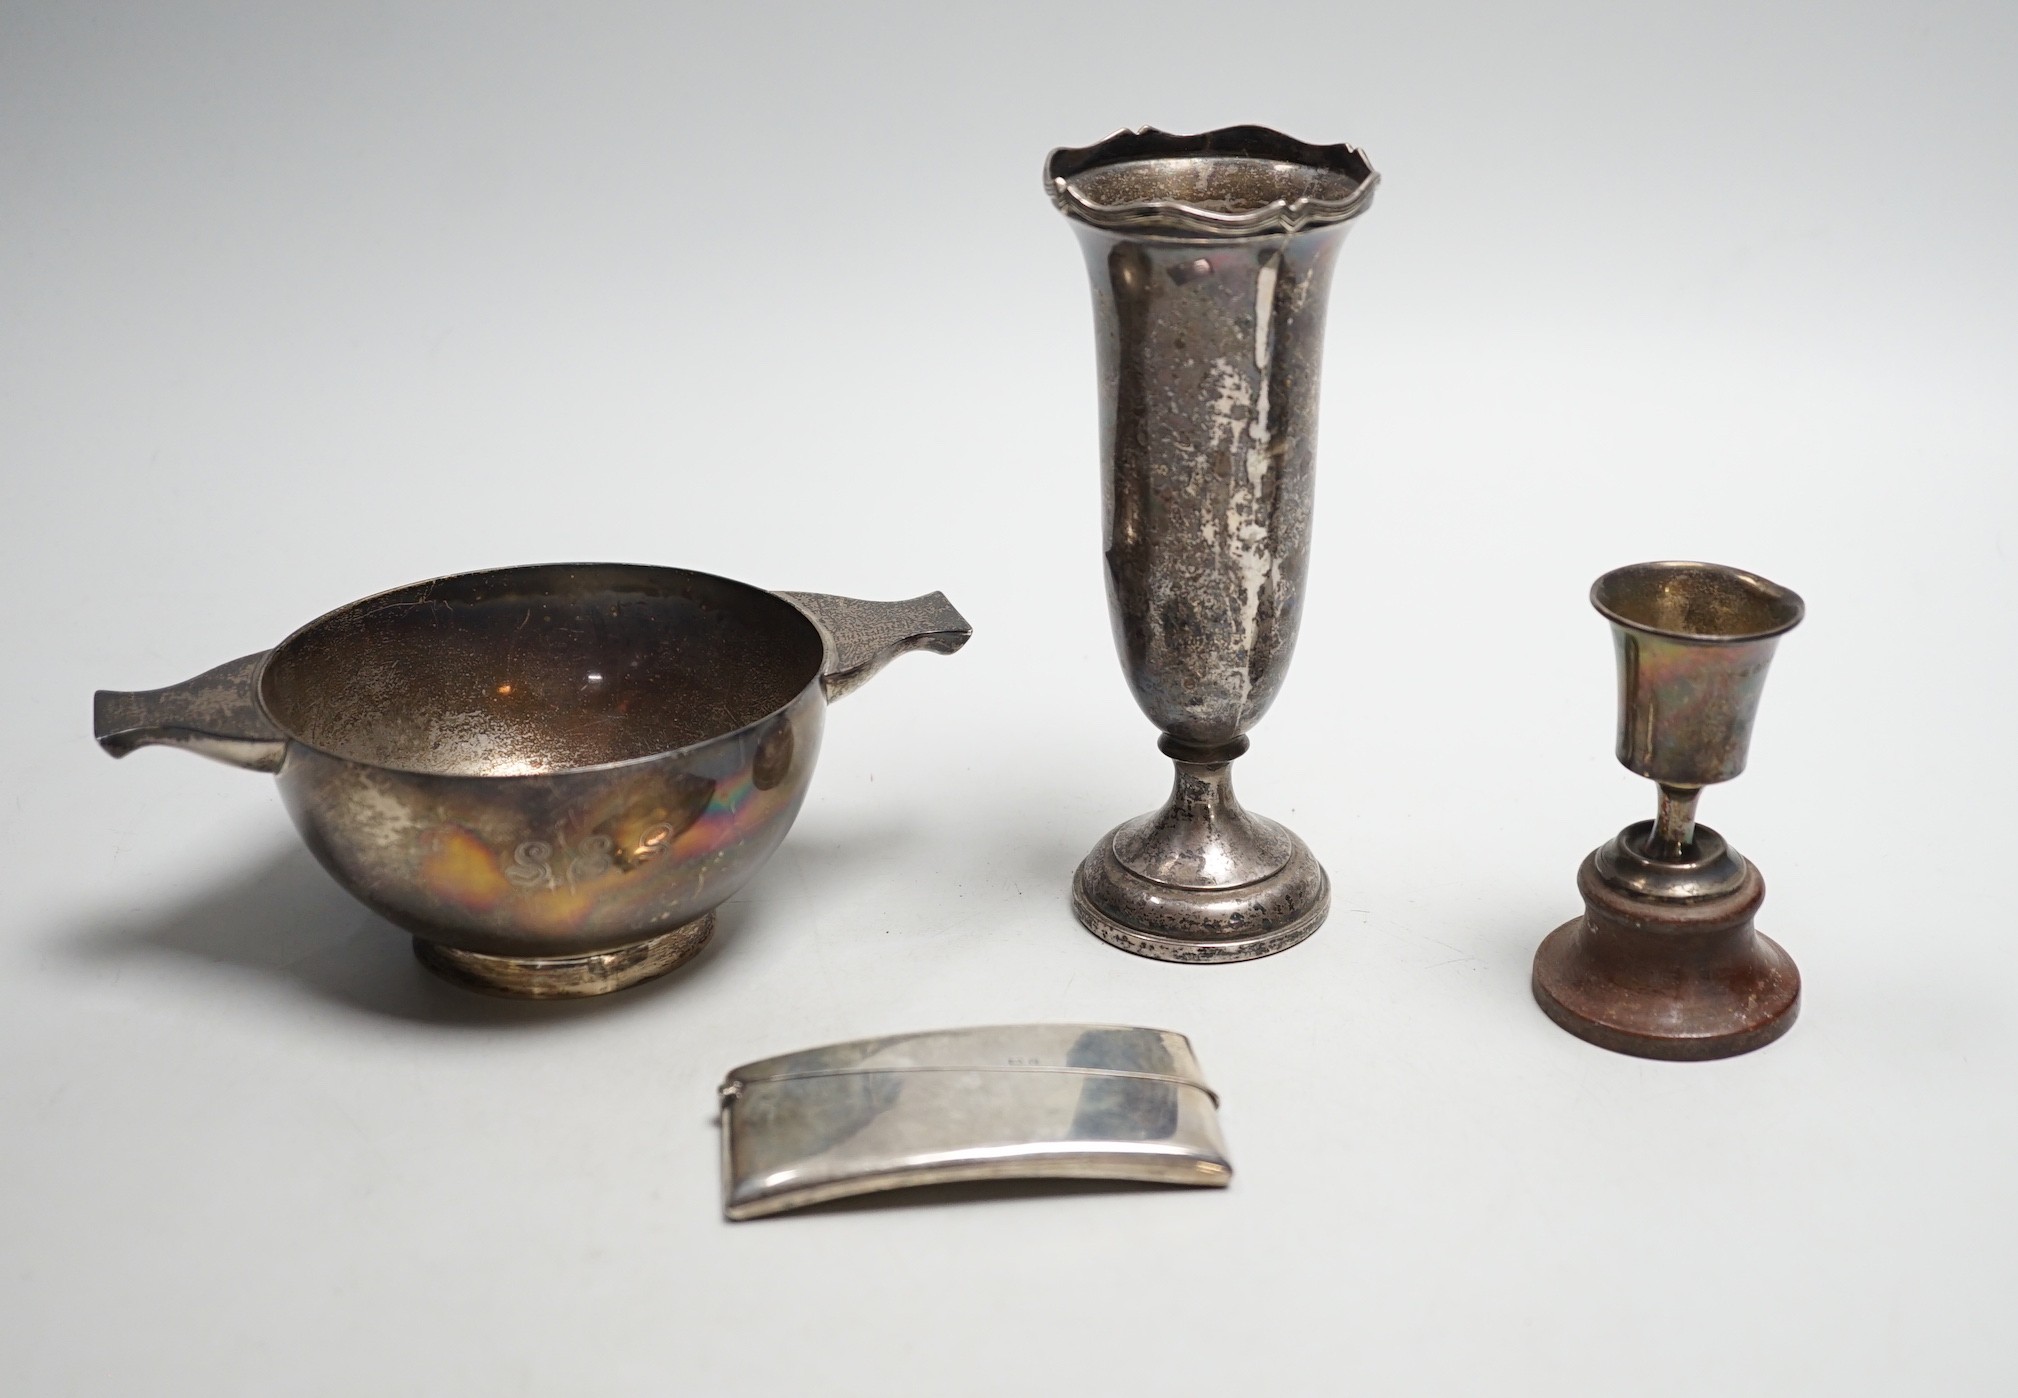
(1012, 1102)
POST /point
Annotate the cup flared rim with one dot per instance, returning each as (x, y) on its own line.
(1782, 607)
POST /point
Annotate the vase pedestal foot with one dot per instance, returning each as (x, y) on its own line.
(1172, 923)
(1201, 880)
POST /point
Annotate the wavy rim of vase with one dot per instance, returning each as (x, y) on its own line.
(1178, 216)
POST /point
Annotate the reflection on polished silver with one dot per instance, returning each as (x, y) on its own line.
(551, 776)
(1211, 259)
(1011, 1102)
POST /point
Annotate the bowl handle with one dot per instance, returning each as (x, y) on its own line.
(216, 714)
(862, 637)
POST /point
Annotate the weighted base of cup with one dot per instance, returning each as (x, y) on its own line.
(1680, 979)
(568, 977)
(1198, 925)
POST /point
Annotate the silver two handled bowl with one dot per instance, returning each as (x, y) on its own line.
(550, 775)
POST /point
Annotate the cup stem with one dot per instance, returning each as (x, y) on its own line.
(1674, 822)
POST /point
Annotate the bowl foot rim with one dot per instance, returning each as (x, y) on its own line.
(568, 977)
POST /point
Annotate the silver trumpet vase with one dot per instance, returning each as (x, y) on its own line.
(1210, 258)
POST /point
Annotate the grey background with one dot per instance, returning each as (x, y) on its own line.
(298, 303)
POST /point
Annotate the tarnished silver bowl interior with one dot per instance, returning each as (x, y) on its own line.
(539, 669)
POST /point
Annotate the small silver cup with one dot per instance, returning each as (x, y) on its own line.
(1694, 642)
